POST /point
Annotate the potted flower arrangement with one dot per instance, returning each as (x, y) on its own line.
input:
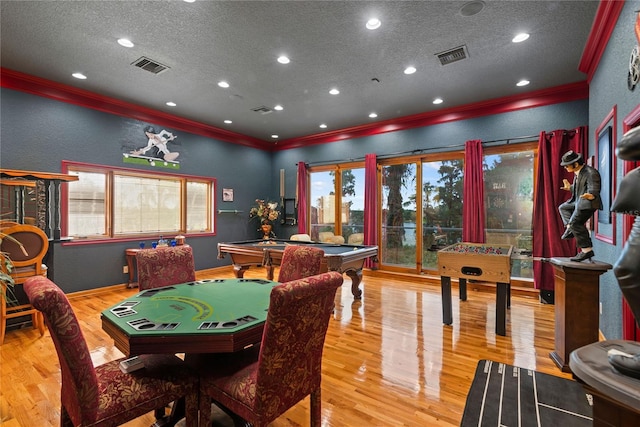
(266, 212)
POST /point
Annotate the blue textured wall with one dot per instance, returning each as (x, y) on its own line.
(38, 133)
(608, 88)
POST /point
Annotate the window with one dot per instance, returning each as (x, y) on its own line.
(508, 193)
(421, 205)
(118, 203)
(343, 215)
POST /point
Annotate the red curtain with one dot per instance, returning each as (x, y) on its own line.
(473, 190)
(301, 197)
(548, 226)
(370, 204)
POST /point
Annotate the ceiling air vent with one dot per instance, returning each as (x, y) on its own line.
(262, 110)
(150, 65)
(452, 55)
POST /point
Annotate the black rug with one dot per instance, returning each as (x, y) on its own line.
(507, 396)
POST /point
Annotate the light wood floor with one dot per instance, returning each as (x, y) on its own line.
(388, 359)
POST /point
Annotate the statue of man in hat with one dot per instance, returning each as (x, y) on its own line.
(627, 268)
(584, 201)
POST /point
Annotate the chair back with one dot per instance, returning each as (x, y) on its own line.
(356, 239)
(290, 359)
(165, 266)
(300, 237)
(80, 394)
(26, 256)
(299, 262)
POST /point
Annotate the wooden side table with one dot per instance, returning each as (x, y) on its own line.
(131, 265)
(576, 306)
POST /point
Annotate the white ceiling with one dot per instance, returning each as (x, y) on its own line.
(239, 41)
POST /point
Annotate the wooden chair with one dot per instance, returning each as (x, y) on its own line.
(289, 363)
(299, 262)
(104, 395)
(356, 239)
(26, 257)
(165, 266)
(300, 237)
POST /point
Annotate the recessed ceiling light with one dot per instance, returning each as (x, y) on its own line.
(189, 1)
(171, 104)
(228, 122)
(523, 83)
(472, 8)
(223, 84)
(125, 42)
(438, 101)
(334, 91)
(79, 76)
(410, 70)
(323, 126)
(278, 107)
(283, 59)
(274, 136)
(373, 24)
(520, 37)
(373, 115)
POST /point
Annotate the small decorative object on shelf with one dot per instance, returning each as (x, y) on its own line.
(180, 240)
(266, 212)
(162, 242)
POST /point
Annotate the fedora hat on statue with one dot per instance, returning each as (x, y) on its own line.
(571, 157)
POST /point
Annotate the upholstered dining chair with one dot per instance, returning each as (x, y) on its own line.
(104, 395)
(299, 261)
(289, 363)
(25, 246)
(165, 266)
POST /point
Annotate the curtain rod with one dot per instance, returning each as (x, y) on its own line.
(506, 141)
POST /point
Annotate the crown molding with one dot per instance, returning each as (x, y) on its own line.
(601, 30)
(540, 98)
(49, 89)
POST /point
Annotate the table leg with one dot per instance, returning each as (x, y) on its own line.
(445, 285)
(131, 267)
(270, 269)
(356, 278)
(462, 288)
(502, 290)
(238, 270)
(177, 413)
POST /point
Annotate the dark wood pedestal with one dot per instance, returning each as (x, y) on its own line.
(576, 306)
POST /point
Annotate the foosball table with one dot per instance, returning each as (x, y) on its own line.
(481, 262)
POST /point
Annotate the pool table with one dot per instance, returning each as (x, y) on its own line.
(205, 316)
(347, 259)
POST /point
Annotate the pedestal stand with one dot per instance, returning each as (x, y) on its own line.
(576, 306)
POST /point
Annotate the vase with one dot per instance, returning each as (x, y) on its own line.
(266, 231)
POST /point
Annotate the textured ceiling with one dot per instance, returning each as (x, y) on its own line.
(237, 41)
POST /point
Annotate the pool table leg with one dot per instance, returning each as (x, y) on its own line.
(445, 286)
(356, 278)
(238, 270)
(269, 268)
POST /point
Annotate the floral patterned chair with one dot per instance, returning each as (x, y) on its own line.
(165, 266)
(299, 262)
(104, 395)
(289, 362)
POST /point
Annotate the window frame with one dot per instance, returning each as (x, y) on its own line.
(110, 172)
